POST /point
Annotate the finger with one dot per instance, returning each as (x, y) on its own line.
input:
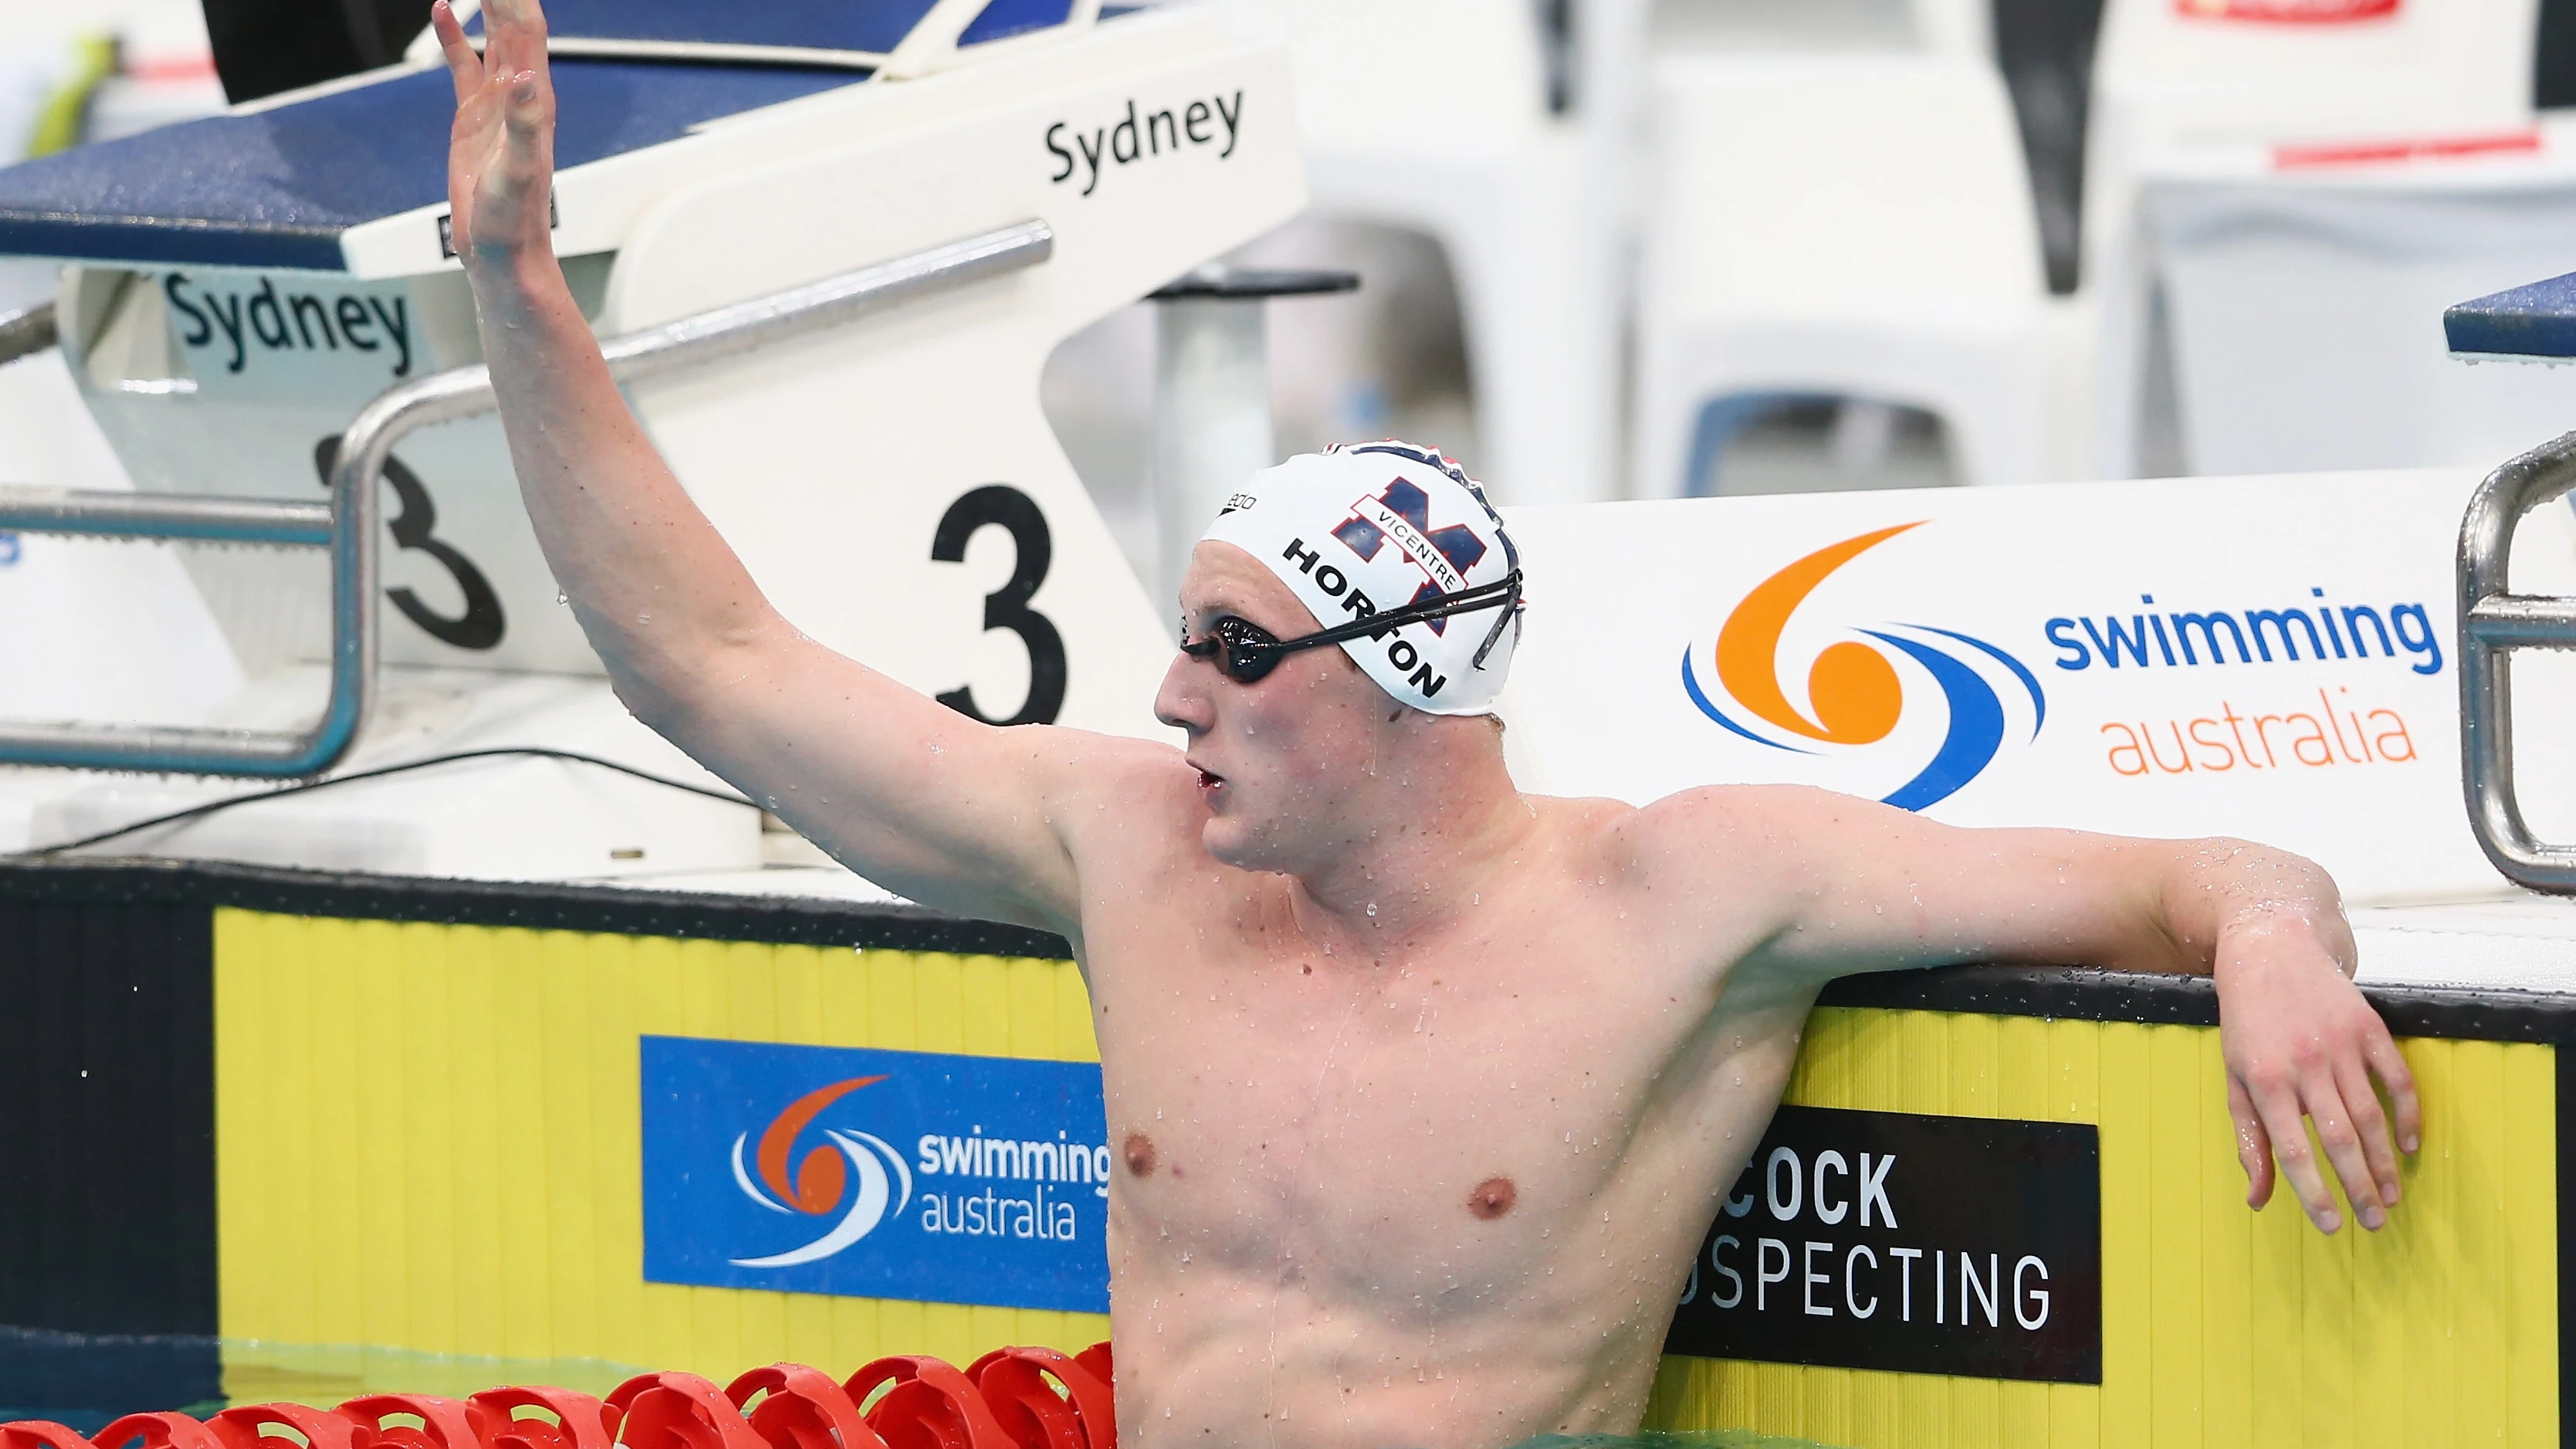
(2284, 1121)
(2253, 1145)
(2352, 1083)
(2389, 1065)
(2339, 1131)
(516, 34)
(463, 65)
(526, 116)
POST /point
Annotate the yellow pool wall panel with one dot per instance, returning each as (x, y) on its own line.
(429, 1145)
(428, 1137)
(2221, 1327)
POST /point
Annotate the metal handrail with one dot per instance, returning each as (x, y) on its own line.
(350, 524)
(2493, 623)
(27, 331)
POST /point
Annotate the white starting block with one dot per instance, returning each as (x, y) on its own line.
(834, 253)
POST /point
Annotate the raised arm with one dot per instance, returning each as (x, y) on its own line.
(1873, 888)
(923, 800)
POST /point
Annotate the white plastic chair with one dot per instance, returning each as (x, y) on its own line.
(1847, 226)
(2175, 75)
(2304, 306)
(1433, 116)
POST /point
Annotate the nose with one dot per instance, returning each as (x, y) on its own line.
(1183, 701)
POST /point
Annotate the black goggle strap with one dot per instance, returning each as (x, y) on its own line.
(1505, 591)
(1511, 614)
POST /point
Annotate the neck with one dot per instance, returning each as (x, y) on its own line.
(1403, 871)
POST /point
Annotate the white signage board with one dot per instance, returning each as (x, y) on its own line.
(2272, 658)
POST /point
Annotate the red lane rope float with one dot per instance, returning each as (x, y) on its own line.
(579, 1422)
(445, 1423)
(1096, 1358)
(41, 1434)
(155, 1431)
(1009, 1399)
(802, 1408)
(242, 1428)
(931, 1406)
(1013, 1382)
(679, 1411)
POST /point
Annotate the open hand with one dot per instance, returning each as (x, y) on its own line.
(500, 158)
(2300, 1042)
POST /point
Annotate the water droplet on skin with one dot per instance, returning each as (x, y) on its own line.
(562, 598)
(1372, 908)
(643, 618)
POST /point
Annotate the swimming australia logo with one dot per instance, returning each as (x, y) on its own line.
(924, 1176)
(1857, 693)
(823, 1180)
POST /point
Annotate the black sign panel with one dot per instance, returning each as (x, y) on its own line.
(1881, 1240)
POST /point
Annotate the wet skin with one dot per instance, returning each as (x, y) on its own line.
(1443, 1191)
(1424, 1090)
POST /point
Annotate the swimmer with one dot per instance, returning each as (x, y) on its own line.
(1423, 1090)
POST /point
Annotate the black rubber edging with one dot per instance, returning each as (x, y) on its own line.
(2156, 999)
(539, 906)
(2080, 994)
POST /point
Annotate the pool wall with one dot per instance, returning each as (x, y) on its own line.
(286, 1135)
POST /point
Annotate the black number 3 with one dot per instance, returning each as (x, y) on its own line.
(1008, 606)
(482, 625)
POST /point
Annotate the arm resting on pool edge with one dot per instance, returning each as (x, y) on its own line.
(952, 812)
(1874, 888)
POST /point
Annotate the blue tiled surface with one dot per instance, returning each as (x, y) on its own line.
(868, 25)
(2538, 320)
(277, 189)
(874, 25)
(1005, 18)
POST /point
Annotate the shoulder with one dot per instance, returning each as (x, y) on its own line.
(1781, 823)
(1741, 834)
(1098, 767)
(1107, 786)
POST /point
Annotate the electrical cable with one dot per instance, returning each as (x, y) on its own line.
(306, 787)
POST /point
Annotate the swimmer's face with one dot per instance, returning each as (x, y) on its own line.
(1276, 758)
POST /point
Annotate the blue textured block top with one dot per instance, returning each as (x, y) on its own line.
(2538, 320)
(830, 25)
(277, 188)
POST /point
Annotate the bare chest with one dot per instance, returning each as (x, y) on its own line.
(1425, 1133)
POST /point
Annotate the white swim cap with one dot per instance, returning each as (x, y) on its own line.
(1368, 529)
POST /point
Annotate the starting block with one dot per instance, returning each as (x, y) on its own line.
(263, 313)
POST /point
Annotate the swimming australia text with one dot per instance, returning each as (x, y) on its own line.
(1144, 135)
(235, 323)
(2185, 638)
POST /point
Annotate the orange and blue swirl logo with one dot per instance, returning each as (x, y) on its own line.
(823, 1180)
(1856, 693)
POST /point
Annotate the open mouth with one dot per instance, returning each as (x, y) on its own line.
(1209, 781)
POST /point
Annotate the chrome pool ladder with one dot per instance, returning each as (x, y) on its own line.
(2494, 622)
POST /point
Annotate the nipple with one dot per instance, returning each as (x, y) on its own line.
(1140, 1154)
(1492, 1198)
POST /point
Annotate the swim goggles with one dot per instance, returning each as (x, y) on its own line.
(1245, 652)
